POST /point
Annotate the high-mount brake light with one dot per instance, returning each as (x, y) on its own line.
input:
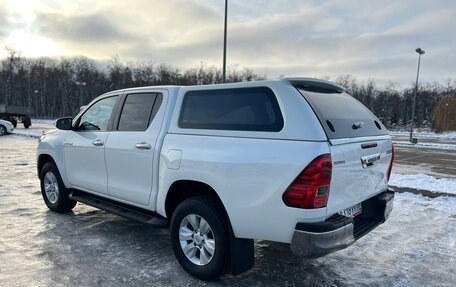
(311, 188)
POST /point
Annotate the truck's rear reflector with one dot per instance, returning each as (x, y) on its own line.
(311, 188)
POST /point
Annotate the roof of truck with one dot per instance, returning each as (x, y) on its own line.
(299, 81)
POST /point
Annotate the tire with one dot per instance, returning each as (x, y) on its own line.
(3, 130)
(14, 122)
(54, 193)
(27, 123)
(199, 262)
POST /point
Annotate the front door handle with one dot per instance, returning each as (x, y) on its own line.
(143, 145)
(98, 143)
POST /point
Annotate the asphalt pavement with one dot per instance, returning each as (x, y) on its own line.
(439, 163)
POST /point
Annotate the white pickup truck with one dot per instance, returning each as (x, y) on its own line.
(295, 160)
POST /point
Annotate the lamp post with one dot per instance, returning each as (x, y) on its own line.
(420, 52)
(444, 117)
(6, 92)
(224, 43)
(36, 102)
(81, 85)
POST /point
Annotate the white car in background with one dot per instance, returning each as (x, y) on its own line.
(6, 127)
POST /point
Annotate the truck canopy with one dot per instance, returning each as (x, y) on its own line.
(341, 115)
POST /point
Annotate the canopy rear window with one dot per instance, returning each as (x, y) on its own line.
(341, 115)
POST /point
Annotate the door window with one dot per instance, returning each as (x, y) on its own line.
(136, 112)
(96, 118)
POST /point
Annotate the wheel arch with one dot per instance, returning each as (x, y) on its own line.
(42, 160)
(181, 190)
(241, 250)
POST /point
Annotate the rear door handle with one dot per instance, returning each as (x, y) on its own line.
(143, 145)
(98, 143)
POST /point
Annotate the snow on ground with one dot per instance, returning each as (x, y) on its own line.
(424, 182)
(50, 122)
(425, 134)
(425, 145)
(39, 126)
(34, 133)
(90, 247)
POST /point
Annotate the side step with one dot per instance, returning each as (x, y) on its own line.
(118, 208)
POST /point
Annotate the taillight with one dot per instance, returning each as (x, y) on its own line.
(390, 168)
(311, 188)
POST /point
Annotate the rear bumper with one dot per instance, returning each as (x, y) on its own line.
(312, 240)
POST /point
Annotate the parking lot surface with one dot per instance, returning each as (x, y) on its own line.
(90, 247)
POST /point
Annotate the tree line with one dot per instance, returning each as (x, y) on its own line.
(393, 105)
(58, 87)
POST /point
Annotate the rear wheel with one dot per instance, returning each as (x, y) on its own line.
(54, 193)
(27, 122)
(200, 238)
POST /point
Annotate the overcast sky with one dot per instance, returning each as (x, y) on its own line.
(367, 39)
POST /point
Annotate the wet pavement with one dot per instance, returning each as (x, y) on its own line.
(436, 162)
(89, 247)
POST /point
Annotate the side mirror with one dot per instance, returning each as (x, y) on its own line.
(82, 107)
(64, 123)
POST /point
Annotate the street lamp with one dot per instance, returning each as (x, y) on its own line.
(444, 117)
(224, 43)
(36, 102)
(80, 85)
(420, 52)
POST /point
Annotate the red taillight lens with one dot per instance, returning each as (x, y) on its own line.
(311, 188)
(390, 168)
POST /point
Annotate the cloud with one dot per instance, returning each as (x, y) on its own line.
(4, 23)
(80, 28)
(369, 39)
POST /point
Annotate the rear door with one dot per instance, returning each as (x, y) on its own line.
(130, 150)
(361, 148)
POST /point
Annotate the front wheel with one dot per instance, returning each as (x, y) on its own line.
(200, 237)
(2, 130)
(54, 193)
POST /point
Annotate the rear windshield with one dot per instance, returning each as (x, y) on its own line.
(341, 115)
(244, 109)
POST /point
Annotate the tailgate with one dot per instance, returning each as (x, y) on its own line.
(361, 148)
(360, 168)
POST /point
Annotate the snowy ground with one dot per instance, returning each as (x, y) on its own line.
(426, 139)
(430, 145)
(424, 182)
(89, 247)
(39, 126)
(425, 134)
(50, 122)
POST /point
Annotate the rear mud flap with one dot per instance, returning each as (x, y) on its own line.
(241, 253)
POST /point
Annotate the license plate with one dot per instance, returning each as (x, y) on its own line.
(352, 211)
